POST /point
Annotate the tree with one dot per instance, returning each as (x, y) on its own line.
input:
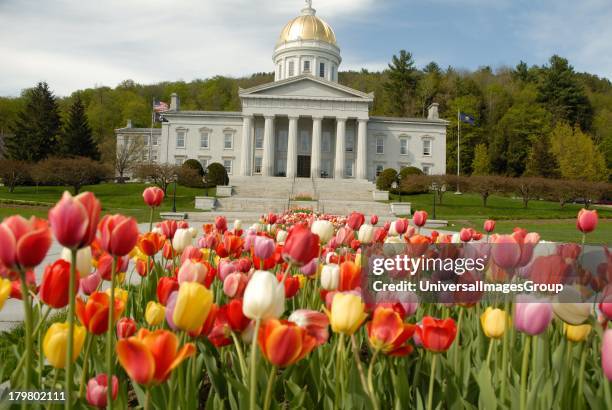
(76, 137)
(563, 95)
(128, 156)
(13, 173)
(401, 83)
(216, 174)
(73, 172)
(577, 155)
(483, 185)
(527, 188)
(385, 179)
(195, 165)
(191, 174)
(541, 162)
(481, 164)
(35, 132)
(161, 175)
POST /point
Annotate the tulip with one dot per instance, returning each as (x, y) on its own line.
(398, 227)
(168, 228)
(126, 327)
(55, 283)
(263, 247)
(105, 264)
(151, 243)
(191, 271)
(284, 343)
(281, 236)
(355, 220)
(235, 284)
(237, 225)
(149, 357)
(465, 235)
(97, 390)
(291, 283)
(55, 344)
(586, 221)
(301, 246)
(315, 323)
(236, 319)
(531, 316)
(324, 229)
(83, 261)
(93, 314)
(388, 333)
(310, 268)
(74, 219)
(489, 225)
(347, 313)
(606, 354)
(437, 335)
(576, 333)
(165, 287)
(330, 276)
(193, 303)
(118, 234)
(155, 313)
(350, 276)
(230, 246)
(569, 311)
(5, 291)
(182, 239)
(221, 224)
(153, 196)
(512, 251)
(344, 236)
(374, 219)
(24, 242)
(419, 218)
(366, 234)
(90, 283)
(493, 322)
(264, 297)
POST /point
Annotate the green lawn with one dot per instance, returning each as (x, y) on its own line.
(548, 218)
(115, 198)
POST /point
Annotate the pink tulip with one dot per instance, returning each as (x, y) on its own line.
(23, 243)
(263, 247)
(221, 224)
(374, 219)
(531, 315)
(606, 354)
(192, 271)
(419, 218)
(118, 234)
(97, 389)
(89, 284)
(401, 225)
(315, 323)
(465, 234)
(74, 219)
(355, 220)
(153, 196)
(310, 268)
(489, 225)
(345, 235)
(586, 221)
(513, 251)
(234, 284)
(226, 267)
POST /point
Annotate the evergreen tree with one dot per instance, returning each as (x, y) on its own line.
(401, 83)
(76, 138)
(481, 164)
(35, 132)
(541, 161)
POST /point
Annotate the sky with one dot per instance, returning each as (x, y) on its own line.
(74, 44)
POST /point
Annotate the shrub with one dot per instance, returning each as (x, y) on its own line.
(385, 179)
(195, 165)
(485, 186)
(13, 173)
(191, 177)
(407, 171)
(74, 172)
(527, 188)
(216, 175)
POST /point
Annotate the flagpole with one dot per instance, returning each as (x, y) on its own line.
(151, 134)
(458, 192)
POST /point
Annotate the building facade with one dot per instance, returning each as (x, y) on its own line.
(304, 124)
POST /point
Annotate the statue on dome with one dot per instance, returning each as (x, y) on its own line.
(309, 3)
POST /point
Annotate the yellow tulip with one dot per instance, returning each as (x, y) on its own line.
(120, 293)
(5, 291)
(193, 304)
(347, 313)
(576, 333)
(55, 343)
(155, 313)
(494, 322)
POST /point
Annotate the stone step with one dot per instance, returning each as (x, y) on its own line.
(257, 205)
(368, 208)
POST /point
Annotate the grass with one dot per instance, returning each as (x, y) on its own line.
(553, 222)
(115, 198)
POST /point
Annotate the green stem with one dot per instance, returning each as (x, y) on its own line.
(70, 348)
(339, 376)
(431, 381)
(151, 220)
(491, 341)
(583, 357)
(147, 403)
(109, 337)
(27, 309)
(457, 344)
(85, 364)
(524, 368)
(269, 388)
(41, 322)
(504, 372)
(371, 379)
(240, 353)
(366, 388)
(253, 370)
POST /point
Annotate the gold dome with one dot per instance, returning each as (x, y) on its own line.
(307, 27)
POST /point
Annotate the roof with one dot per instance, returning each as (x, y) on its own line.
(409, 120)
(130, 130)
(196, 113)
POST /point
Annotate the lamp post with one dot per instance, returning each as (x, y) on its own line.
(395, 185)
(174, 195)
(434, 189)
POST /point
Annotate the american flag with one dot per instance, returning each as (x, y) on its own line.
(160, 106)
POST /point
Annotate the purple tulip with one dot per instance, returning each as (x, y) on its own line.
(606, 354)
(263, 247)
(226, 267)
(310, 268)
(531, 315)
(170, 309)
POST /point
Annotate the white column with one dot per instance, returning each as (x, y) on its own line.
(267, 162)
(247, 123)
(315, 160)
(362, 156)
(292, 147)
(340, 147)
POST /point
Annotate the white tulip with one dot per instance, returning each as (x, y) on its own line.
(325, 230)
(392, 230)
(83, 263)
(281, 236)
(366, 233)
(329, 256)
(237, 225)
(256, 227)
(182, 239)
(264, 296)
(193, 232)
(330, 276)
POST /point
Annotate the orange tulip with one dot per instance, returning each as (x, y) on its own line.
(388, 332)
(93, 314)
(150, 243)
(350, 276)
(149, 357)
(284, 343)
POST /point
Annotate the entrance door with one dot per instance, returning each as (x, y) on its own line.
(303, 166)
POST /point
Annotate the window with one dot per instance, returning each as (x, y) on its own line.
(380, 145)
(321, 69)
(350, 142)
(306, 66)
(291, 68)
(227, 164)
(203, 162)
(179, 160)
(281, 167)
(326, 141)
(259, 138)
(258, 162)
(180, 139)
(228, 140)
(281, 141)
(426, 169)
(348, 169)
(154, 156)
(304, 142)
(204, 140)
(145, 155)
(333, 73)
(155, 141)
(427, 148)
(379, 169)
(403, 146)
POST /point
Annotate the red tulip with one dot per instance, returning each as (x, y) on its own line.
(292, 284)
(230, 246)
(165, 287)
(388, 332)
(23, 243)
(401, 225)
(97, 388)
(489, 225)
(272, 218)
(355, 220)
(153, 196)
(419, 218)
(168, 228)
(221, 224)
(374, 219)
(586, 221)
(465, 235)
(118, 234)
(105, 264)
(549, 269)
(284, 343)
(54, 287)
(235, 317)
(126, 327)
(74, 219)
(301, 246)
(93, 314)
(437, 335)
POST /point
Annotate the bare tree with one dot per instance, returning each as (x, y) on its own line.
(74, 172)
(13, 173)
(161, 175)
(129, 155)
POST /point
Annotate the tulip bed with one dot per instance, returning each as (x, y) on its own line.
(272, 316)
